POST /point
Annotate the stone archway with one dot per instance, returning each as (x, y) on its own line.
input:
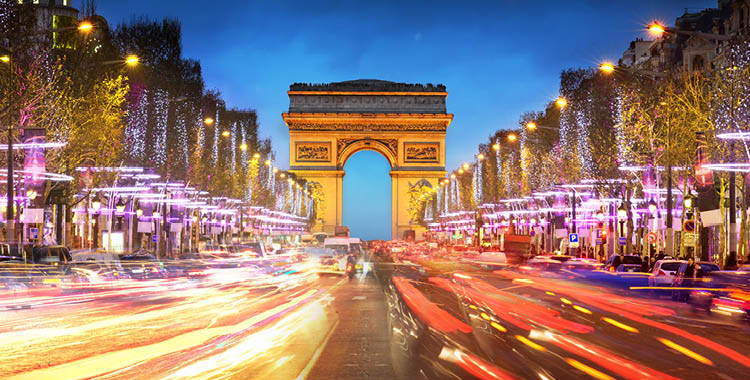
(405, 123)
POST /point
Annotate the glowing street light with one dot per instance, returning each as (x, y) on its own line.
(268, 162)
(607, 67)
(460, 171)
(85, 26)
(225, 133)
(656, 29)
(480, 156)
(561, 102)
(243, 146)
(4, 58)
(465, 166)
(512, 137)
(495, 146)
(453, 176)
(208, 121)
(132, 59)
(531, 125)
(256, 156)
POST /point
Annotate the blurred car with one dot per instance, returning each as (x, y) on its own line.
(489, 260)
(53, 254)
(89, 276)
(629, 268)
(726, 293)
(609, 265)
(582, 264)
(702, 268)
(664, 271)
(143, 266)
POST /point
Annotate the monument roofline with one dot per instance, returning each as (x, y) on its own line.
(368, 86)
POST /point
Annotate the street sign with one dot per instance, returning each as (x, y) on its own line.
(688, 226)
(622, 240)
(689, 238)
(34, 233)
(155, 238)
(651, 237)
(600, 234)
(573, 240)
(599, 241)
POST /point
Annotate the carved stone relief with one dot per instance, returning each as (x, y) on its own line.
(313, 151)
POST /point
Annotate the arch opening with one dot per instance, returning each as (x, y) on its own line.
(367, 194)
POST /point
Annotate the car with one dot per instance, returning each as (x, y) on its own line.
(629, 268)
(143, 266)
(724, 293)
(683, 283)
(489, 260)
(609, 265)
(53, 254)
(663, 272)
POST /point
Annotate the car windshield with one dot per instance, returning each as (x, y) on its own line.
(670, 266)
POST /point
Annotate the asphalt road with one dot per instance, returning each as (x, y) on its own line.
(310, 326)
(430, 321)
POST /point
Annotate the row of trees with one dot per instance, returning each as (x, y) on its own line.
(157, 113)
(610, 120)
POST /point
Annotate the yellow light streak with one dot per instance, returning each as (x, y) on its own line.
(685, 351)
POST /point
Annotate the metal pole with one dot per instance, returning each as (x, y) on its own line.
(731, 261)
(573, 219)
(670, 232)
(9, 213)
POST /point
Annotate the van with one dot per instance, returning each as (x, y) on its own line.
(338, 244)
(355, 245)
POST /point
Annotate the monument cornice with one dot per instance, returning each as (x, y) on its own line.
(394, 93)
(367, 122)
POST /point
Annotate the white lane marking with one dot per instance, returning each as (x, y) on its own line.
(359, 298)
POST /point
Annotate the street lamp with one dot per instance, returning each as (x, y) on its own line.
(268, 162)
(495, 146)
(208, 121)
(561, 102)
(512, 137)
(465, 166)
(652, 207)
(256, 156)
(531, 125)
(225, 133)
(243, 147)
(480, 156)
(607, 67)
(460, 171)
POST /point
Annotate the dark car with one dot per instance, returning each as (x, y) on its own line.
(143, 266)
(723, 292)
(624, 259)
(700, 280)
(16, 252)
(53, 254)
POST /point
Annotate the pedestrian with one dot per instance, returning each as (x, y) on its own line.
(690, 270)
(651, 264)
(645, 264)
(619, 259)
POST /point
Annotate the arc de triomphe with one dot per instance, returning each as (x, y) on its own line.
(406, 123)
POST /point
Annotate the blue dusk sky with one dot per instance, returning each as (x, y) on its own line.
(498, 59)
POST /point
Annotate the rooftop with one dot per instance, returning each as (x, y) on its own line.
(368, 85)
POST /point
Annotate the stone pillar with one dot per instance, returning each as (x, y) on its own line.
(331, 210)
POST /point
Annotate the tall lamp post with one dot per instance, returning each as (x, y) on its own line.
(658, 30)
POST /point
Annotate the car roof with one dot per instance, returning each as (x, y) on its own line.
(670, 261)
